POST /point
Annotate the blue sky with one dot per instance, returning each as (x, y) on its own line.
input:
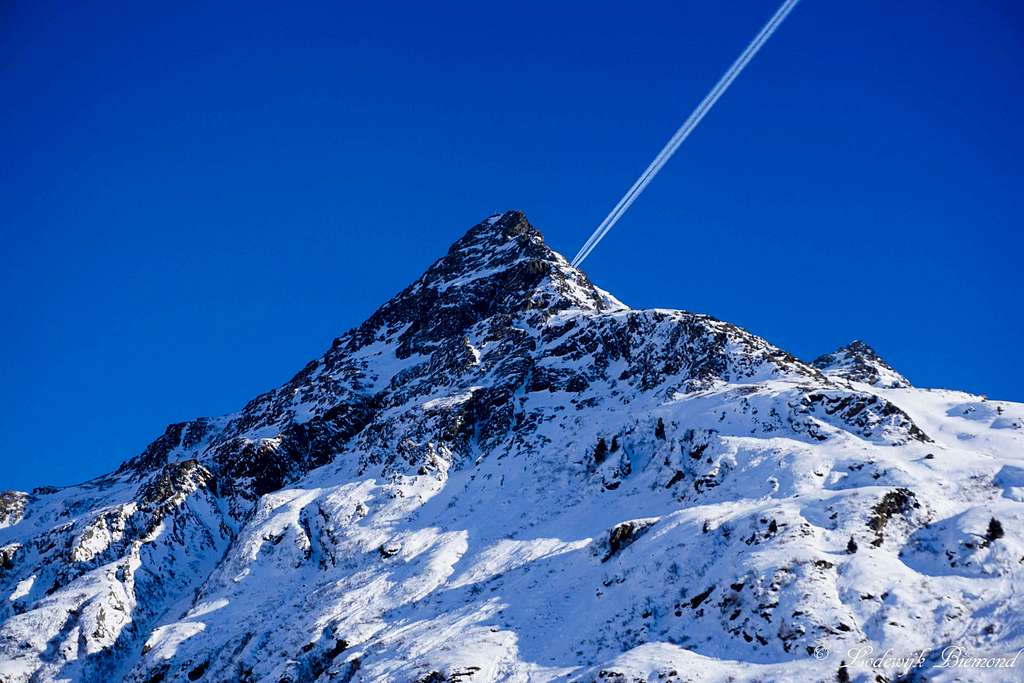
(198, 197)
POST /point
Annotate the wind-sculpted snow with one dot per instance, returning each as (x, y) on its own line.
(507, 474)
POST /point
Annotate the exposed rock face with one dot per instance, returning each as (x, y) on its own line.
(858, 362)
(12, 507)
(623, 535)
(505, 473)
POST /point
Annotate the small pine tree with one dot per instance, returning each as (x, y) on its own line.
(851, 546)
(615, 443)
(601, 451)
(842, 676)
(995, 530)
(659, 429)
(773, 527)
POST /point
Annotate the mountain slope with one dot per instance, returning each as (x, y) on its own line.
(507, 474)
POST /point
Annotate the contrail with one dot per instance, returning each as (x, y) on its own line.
(684, 131)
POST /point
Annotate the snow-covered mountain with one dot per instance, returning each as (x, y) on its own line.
(507, 474)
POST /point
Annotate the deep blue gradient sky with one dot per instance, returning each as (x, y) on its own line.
(197, 197)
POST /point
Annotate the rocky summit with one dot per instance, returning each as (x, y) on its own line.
(506, 474)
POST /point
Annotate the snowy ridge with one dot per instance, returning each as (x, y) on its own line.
(507, 474)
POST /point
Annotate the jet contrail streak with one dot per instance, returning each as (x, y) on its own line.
(684, 131)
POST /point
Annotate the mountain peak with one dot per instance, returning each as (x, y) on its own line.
(498, 243)
(496, 230)
(499, 267)
(858, 362)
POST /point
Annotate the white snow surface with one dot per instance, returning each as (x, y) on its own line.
(573, 491)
